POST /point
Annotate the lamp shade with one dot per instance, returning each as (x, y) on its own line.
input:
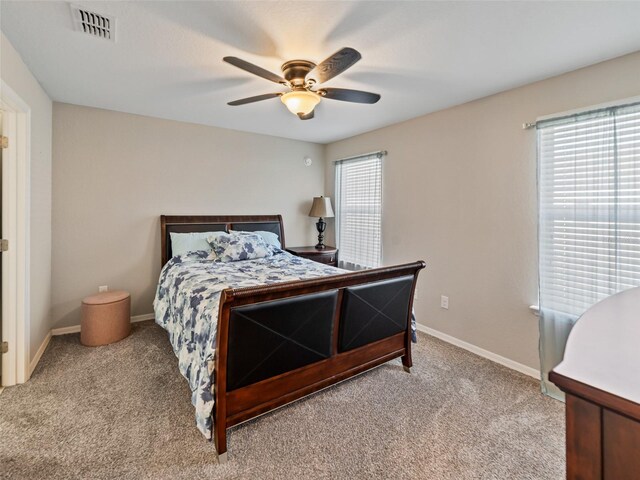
(321, 207)
(300, 102)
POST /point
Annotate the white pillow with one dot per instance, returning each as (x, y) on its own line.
(182, 243)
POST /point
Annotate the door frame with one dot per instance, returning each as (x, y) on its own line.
(16, 125)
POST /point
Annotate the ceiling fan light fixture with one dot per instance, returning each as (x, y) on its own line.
(300, 76)
(301, 102)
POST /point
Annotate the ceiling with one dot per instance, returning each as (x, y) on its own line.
(420, 56)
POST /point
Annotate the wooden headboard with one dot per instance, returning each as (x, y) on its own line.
(216, 223)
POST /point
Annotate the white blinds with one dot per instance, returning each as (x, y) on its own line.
(359, 212)
(589, 187)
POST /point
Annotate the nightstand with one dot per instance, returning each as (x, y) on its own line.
(327, 255)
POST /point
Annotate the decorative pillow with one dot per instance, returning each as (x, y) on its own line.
(182, 243)
(232, 247)
(269, 237)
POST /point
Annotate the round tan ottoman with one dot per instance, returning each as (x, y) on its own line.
(105, 318)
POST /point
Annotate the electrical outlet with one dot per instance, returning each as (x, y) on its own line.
(103, 288)
(444, 302)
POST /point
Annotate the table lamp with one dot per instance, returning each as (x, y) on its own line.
(321, 208)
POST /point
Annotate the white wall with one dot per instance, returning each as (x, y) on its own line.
(18, 77)
(115, 174)
(459, 191)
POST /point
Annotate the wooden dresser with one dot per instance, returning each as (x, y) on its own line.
(600, 375)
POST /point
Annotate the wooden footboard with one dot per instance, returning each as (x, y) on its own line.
(278, 343)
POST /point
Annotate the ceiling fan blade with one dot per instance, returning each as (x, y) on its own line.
(347, 95)
(334, 65)
(257, 98)
(256, 70)
(308, 116)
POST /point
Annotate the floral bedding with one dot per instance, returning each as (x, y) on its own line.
(186, 306)
(232, 247)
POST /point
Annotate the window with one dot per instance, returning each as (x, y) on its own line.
(589, 194)
(359, 211)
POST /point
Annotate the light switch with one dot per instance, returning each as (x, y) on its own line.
(444, 302)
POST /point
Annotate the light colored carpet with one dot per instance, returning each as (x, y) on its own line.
(124, 411)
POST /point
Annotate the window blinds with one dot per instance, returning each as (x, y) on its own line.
(589, 194)
(359, 212)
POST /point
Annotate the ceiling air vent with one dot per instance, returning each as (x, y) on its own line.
(94, 24)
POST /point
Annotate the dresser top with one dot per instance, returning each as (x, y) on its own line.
(603, 349)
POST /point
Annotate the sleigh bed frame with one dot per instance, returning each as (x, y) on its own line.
(278, 343)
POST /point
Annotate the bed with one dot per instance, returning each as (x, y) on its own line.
(254, 335)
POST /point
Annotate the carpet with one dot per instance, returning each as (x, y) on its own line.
(124, 411)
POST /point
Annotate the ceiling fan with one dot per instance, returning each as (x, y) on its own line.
(301, 76)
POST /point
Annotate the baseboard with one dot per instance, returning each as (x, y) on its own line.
(38, 355)
(494, 357)
(76, 328)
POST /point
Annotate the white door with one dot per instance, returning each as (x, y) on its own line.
(15, 129)
(1, 232)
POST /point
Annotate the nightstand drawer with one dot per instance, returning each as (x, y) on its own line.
(328, 258)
